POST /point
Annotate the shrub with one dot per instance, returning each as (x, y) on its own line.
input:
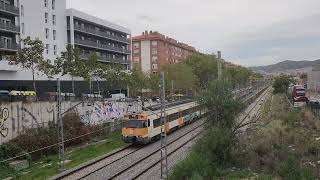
(208, 158)
(9, 150)
(291, 170)
(280, 84)
(33, 139)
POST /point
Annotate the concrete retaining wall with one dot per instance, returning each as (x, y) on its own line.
(16, 117)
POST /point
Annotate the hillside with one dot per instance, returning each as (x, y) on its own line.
(286, 65)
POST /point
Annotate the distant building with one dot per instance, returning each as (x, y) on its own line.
(152, 50)
(314, 79)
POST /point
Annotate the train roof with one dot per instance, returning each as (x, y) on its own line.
(170, 110)
(167, 105)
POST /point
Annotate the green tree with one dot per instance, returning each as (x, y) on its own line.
(179, 77)
(113, 74)
(153, 82)
(137, 80)
(237, 76)
(222, 107)
(281, 83)
(30, 57)
(70, 63)
(204, 67)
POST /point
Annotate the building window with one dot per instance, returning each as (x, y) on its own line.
(53, 4)
(154, 52)
(154, 43)
(45, 3)
(54, 34)
(47, 33)
(54, 19)
(22, 28)
(136, 45)
(22, 10)
(154, 66)
(47, 48)
(154, 59)
(136, 52)
(46, 16)
(136, 59)
(55, 49)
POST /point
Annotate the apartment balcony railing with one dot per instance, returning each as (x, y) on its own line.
(9, 27)
(103, 34)
(7, 8)
(105, 59)
(9, 46)
(100, 46)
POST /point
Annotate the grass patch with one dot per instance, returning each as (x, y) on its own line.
(48, 166)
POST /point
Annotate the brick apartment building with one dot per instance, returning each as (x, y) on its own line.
(152, 50)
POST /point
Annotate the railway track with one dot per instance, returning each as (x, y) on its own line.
(124, 156)
(136, 170)
(132, 162)
(153, 167)
(98, 163)
(255, 106)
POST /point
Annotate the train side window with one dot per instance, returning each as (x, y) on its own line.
(144, 124)
(148, 122)
(156, 123)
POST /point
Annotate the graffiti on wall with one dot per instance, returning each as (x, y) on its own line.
(4, 115)
(16, 117)
(103, 112)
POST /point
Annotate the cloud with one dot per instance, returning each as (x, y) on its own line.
(248, 32)
(146, 18)
(297, 39)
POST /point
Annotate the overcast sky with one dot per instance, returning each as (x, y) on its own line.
(248, 32)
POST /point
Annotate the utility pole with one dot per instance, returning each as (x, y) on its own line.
(164, 159)
(60, 127)
(172, 89)
(219, 66)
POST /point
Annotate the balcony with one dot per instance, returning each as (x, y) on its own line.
(96, 45)
(9, 28)
(105, 59)
(102, 34)
(13, 47)
(9, 9)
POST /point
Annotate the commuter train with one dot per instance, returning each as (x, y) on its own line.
(145, 127)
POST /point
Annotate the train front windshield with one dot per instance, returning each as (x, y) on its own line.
(301, 92)
(135, 124)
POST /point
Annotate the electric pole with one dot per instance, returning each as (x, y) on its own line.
(219, 66)
(60, 127)
(163, 150)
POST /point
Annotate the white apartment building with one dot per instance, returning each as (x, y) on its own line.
(42, 19)
(46, 20)
(56, 27)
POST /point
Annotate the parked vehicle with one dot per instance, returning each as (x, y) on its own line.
(118, 97)
(297, 94)
(314, 104)
(4, 95)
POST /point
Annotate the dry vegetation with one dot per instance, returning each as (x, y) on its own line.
(285, 144)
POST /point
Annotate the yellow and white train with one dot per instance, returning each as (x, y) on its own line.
(145, 127)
